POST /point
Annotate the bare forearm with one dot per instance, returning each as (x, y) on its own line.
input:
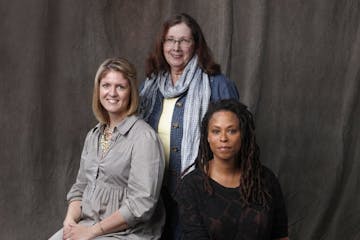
(74, 211)
(114, 223)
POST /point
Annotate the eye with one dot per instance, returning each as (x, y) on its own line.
(215, 131)
(184, 41)
(170, 40)
(232, 131)
(121, 87)
(105, 85)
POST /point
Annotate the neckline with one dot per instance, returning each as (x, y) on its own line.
(222, 186)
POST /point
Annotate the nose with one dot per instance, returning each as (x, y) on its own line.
(176, 45)
(113, 91)
(223, 137)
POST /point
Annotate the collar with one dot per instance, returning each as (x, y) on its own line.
(122, 128)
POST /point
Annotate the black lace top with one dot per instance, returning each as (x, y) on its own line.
(222, 216)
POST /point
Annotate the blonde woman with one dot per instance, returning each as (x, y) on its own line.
(117, 188)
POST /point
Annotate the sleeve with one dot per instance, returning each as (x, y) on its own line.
(188, 200)
(77, 189)
(223, 88)
(280, 219)
(145, 179)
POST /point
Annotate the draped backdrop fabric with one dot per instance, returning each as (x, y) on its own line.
(296, 64)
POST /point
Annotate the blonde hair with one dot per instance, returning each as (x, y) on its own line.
(129, 72)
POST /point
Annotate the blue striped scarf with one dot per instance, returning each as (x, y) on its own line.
(197, 84)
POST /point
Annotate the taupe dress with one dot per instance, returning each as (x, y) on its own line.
(127, 178)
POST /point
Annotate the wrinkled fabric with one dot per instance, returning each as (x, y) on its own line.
(194, 83)
(127, 178)
(223, 215)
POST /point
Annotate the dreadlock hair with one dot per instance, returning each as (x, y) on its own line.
(251, 188)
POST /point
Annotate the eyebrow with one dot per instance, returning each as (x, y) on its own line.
(230, 126)
(171, 36)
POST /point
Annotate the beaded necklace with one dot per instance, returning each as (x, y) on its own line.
(105, 139)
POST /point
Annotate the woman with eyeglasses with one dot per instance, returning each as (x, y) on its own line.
(182, 79)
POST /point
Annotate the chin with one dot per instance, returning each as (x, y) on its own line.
(225, 157)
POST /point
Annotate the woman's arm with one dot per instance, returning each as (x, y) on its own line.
(72, 216)
(74, 212)
(77, 189)
(114, 223)
(74, 196)
(76, 231)
(145, 176)
(187, 197)
(280, 218)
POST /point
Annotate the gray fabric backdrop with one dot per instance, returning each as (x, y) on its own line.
(296, 64)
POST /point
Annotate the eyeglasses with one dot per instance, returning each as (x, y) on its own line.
(183, 42)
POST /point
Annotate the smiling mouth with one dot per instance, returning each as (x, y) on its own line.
(176, 56)
(113, 101)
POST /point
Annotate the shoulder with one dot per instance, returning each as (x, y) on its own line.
(271, 182)
(268, 173)
(142, 128)
(269, 176)
(140, 123)
(190, 185)
(193, 181)
(94, 131)
(219, 79)
(222, 88)
(195, 175)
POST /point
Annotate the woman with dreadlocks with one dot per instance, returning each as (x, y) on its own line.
(229, 194)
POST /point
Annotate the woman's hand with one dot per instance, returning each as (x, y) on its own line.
(79, 232)
(72, 217)
(67, 227)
